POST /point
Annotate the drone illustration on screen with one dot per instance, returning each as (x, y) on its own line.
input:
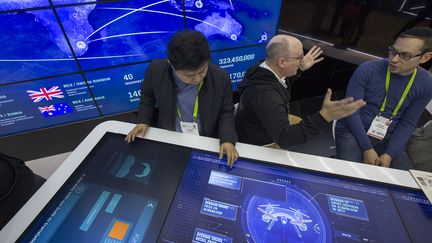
(273, 213)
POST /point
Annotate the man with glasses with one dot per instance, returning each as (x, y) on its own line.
(396, 91)
(193, 95)
(262, 116)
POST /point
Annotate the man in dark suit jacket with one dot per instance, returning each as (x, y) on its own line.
(193, 95)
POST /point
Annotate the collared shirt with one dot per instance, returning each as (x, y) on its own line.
(429, 107)
(281, 80)
(186, 95)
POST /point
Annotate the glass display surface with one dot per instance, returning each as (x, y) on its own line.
(234, 23)
(33, 46)
(156, 192)
(6, 5)
(117, 90)
(368, 26)
(110, 44)
(116, 33)
(120, 193)
(237, 61)
(61, 2)
(42, 103)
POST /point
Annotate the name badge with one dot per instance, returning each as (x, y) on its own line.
(189, 127)
(378, 128)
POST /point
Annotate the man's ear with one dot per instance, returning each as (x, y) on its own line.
(281, 62)
(426, 57)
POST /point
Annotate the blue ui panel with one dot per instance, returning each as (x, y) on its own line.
(115, 33)
(107, 42)
(118, 194)
(256, 202)
(33, 46)
(62, 2)
(44, 103)
(124, 193)
(6, 5)
(119, 89)
(234, 23)
(236, 62)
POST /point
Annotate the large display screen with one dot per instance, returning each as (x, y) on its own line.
(237, 61)
(155, 192)
(43, 103)
(231, 24)
(108, 45)
(120, 193)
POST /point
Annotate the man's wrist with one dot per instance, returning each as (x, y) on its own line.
(222, 142)
(367, 151)
(325, 115)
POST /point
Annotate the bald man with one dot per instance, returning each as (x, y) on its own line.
(262, 116)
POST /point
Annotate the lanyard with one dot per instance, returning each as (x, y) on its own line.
(404, 95)
(195, 110)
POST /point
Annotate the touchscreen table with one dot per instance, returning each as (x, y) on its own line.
(153, 191)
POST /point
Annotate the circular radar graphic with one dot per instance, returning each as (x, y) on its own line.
(298, 219)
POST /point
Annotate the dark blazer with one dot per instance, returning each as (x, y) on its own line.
(216, 107)
(262, 116)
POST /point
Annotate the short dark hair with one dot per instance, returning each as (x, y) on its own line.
(188, 50)
(422, 33)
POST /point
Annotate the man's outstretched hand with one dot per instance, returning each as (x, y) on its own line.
(335, 110)
(312, 57)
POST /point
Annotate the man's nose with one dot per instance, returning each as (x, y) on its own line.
(395, 57)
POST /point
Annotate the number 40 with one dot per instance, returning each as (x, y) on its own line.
(128, 76)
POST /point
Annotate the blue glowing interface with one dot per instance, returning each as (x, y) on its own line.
(117, 90)
(233, 23)
(237, 61)
(111, 42)
(126, 193)
(120, 193)
(49, 102)
(7, 5)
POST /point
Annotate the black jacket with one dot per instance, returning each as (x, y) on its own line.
(17, 185)
(216, 108)
(262, 116)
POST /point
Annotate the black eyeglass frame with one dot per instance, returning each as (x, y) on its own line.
(403, 55)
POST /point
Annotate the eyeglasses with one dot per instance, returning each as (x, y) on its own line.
(405, 56)
(299, 58)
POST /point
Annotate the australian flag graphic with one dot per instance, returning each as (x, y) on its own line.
(55, 110)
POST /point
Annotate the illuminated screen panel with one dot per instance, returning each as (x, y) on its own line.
(33, 46)
(233, 23)
(6, 5)
(44, 103)
(120, 193)
(119, 89)
(61, 2)
(124, 193)
(257, 202)
(109, 34)
(113, 34)
(237, 61)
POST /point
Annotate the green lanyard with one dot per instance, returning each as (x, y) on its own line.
(404, 95)
(195, 110)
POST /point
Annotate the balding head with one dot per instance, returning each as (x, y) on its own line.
(283, 46)
(283, 55)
